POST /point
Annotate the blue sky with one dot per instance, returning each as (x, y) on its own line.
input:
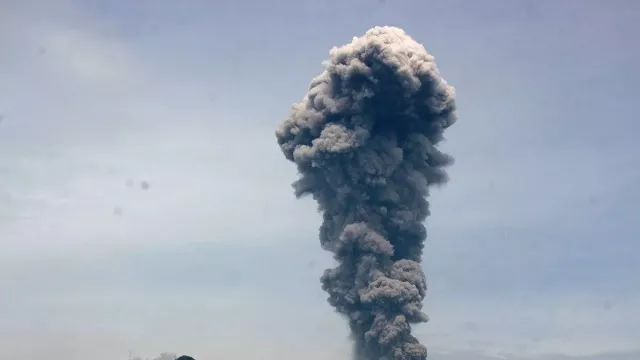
(531, 248)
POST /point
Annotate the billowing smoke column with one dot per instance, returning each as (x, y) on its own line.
(364, 141)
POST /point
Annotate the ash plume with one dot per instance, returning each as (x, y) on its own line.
(364, 141)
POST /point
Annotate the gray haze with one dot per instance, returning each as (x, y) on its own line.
(97, 97)
(363, 140)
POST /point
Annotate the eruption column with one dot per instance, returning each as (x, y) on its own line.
(364, 141)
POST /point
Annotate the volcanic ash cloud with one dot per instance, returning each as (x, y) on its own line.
(364, 141)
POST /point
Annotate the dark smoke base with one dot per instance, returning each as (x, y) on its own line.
(364, 141)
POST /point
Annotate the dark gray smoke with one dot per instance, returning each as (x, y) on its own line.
(364, 141)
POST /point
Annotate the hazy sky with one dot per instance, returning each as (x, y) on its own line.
(531, 246)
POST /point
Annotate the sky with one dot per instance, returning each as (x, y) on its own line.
(530, 253)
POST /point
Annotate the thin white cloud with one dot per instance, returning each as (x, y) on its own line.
(104, 119)
(88, 57)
